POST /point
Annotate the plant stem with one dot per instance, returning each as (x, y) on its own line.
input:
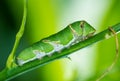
(20, 33)
(8, 74)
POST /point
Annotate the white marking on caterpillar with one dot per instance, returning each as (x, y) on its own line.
(76, 38)
(57, 46)
(21, 62)
(39, 54)
(75, 34)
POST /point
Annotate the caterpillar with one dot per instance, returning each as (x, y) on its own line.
(74, 33)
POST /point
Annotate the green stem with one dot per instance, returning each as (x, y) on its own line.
(10, 60)
(8, 74)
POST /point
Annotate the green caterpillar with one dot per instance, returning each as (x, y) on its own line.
(72, 34)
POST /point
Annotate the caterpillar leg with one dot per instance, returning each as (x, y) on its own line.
(116, 57)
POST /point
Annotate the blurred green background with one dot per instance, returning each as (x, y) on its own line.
(46, 17)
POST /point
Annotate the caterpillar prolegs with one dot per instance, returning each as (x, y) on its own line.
(72, 34)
